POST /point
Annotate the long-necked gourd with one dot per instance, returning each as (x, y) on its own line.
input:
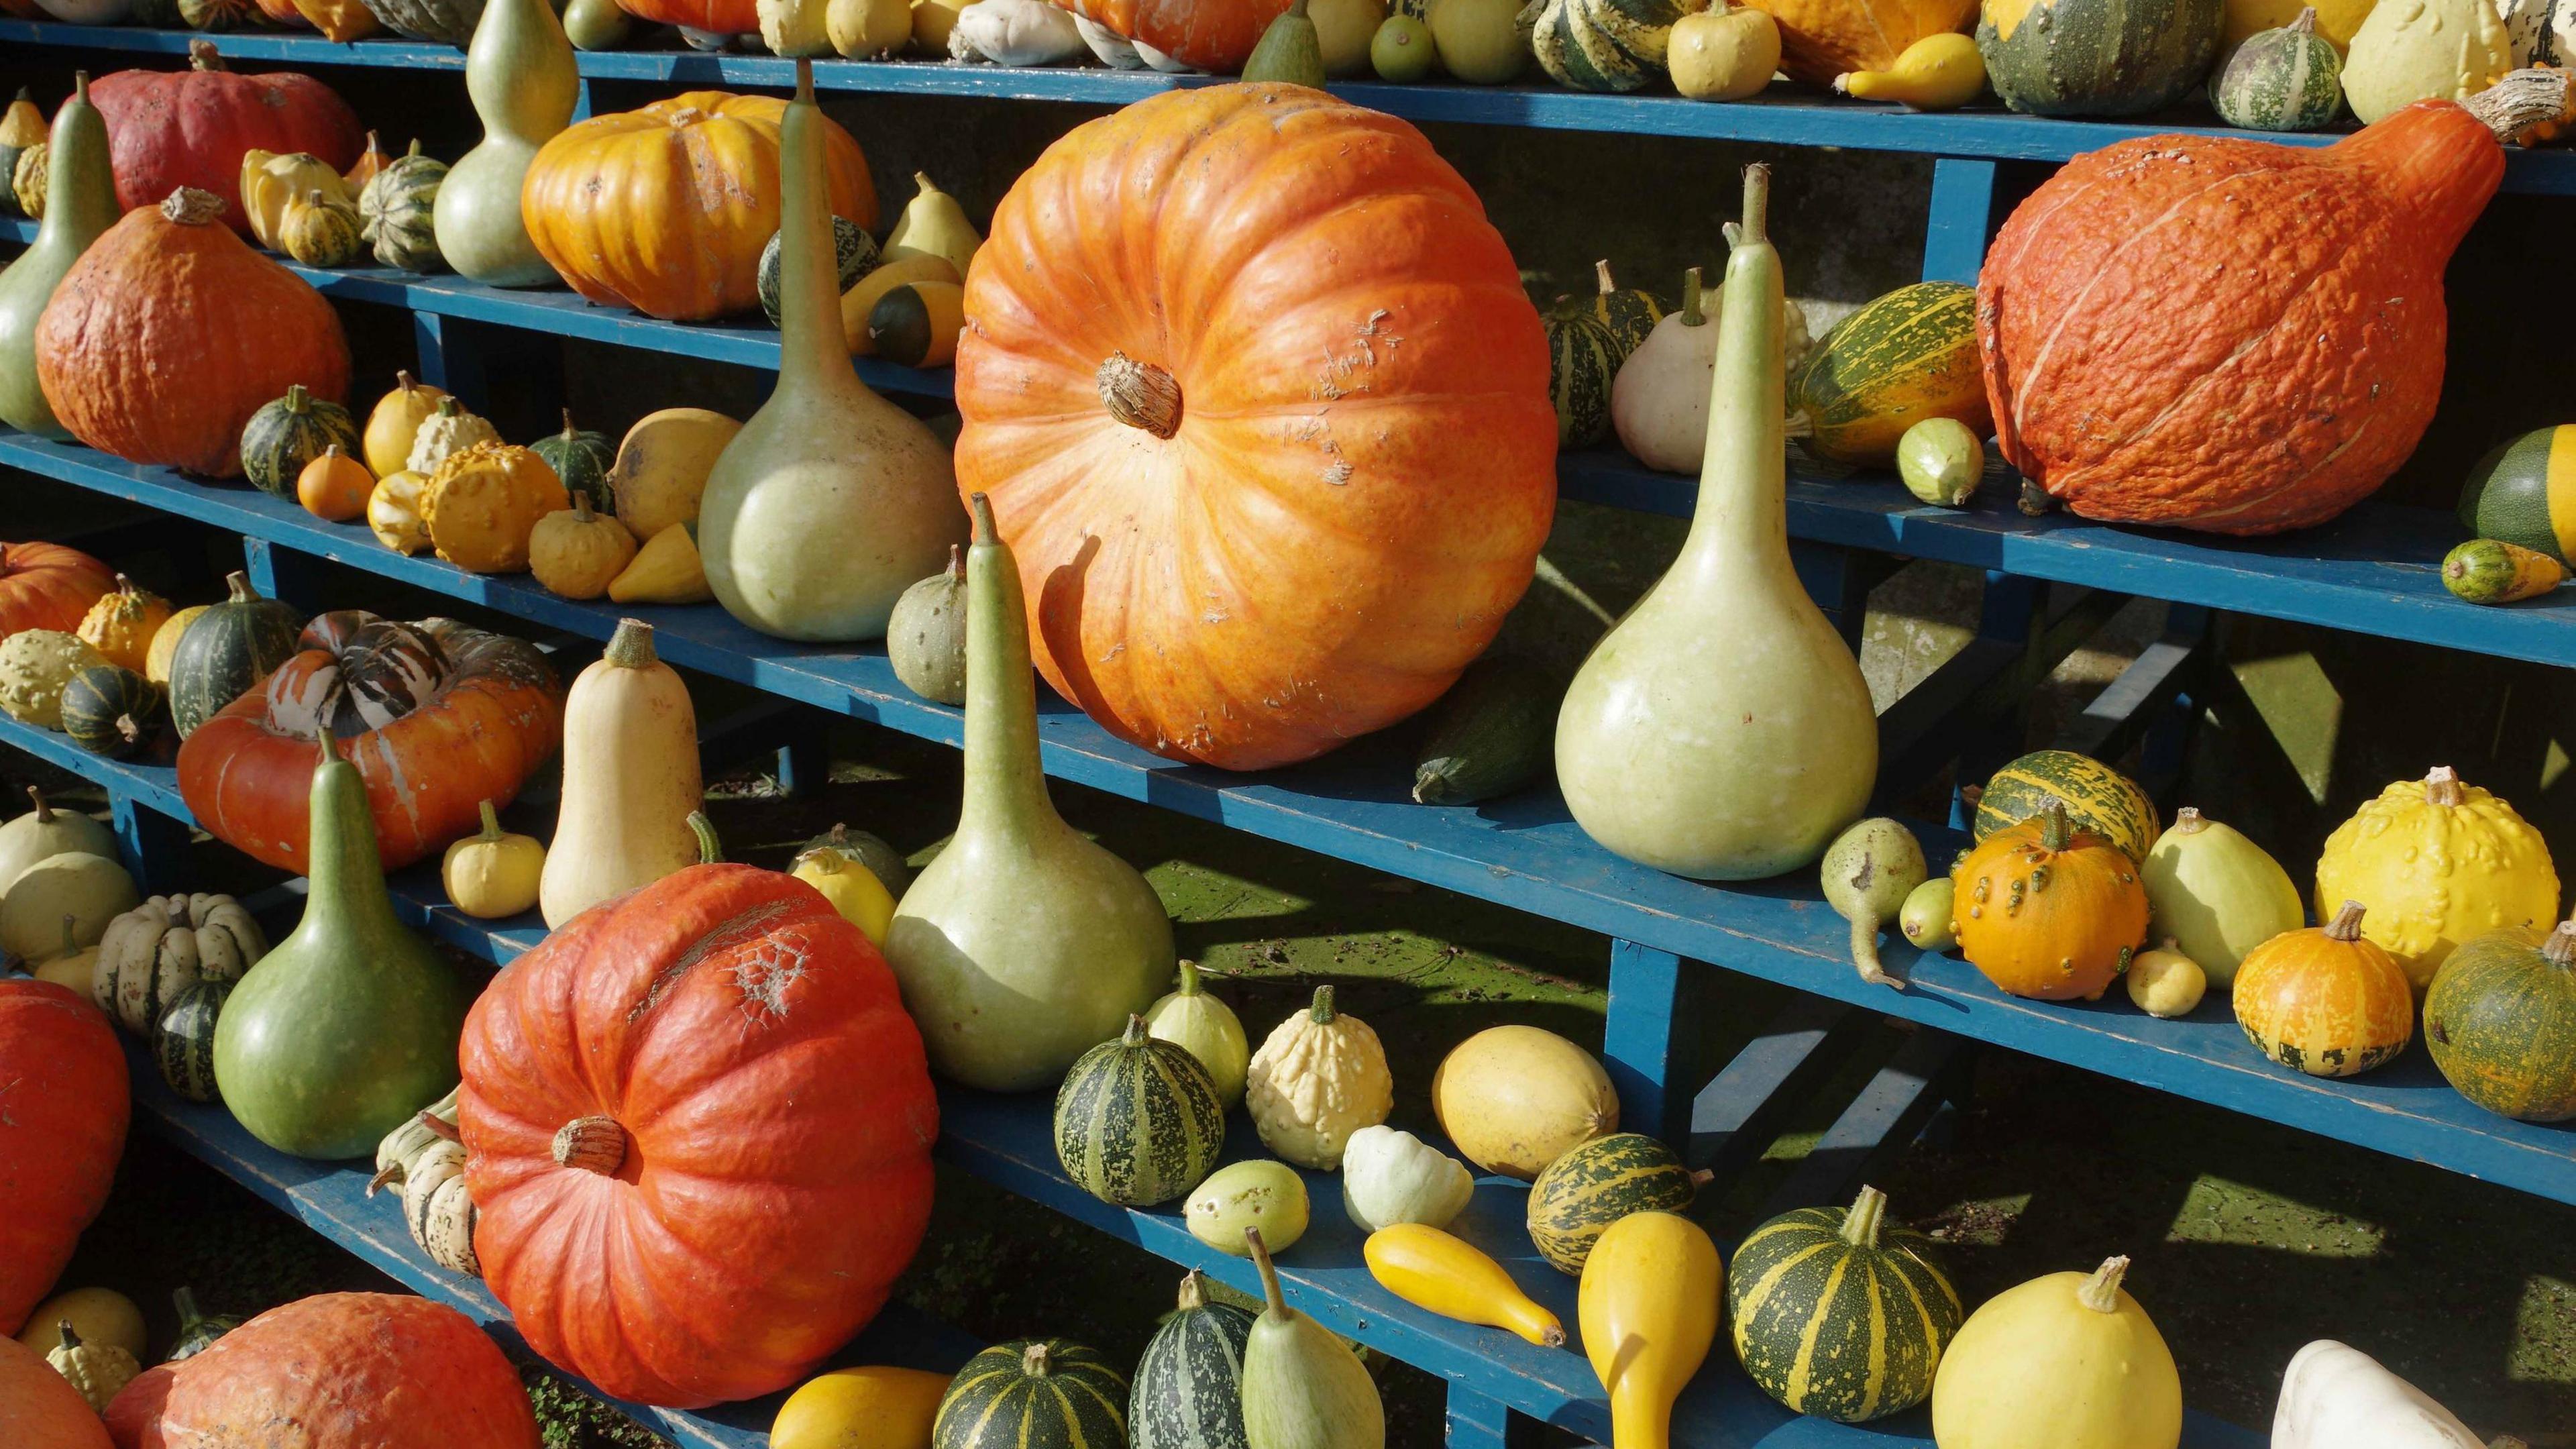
(1722, 731)
(343, 1029)
(80, 202)
(1024, 944)
(630, 779)
(1648, 1308)
(1302, 1388)
(831, 501)
(520, 74)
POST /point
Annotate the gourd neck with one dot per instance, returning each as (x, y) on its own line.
(1276, 1301)
(80, 190)
(2101, 1292)
(1005, 784)
(1190, 984)
(1321, 1012)
(631, 647)
(2305, 22)
(1742, 519)
(814, 354)
(1861, 1224)
(2443, 162)
(519, 72)
(2346, 925)
(2442, 787)
(345, 877)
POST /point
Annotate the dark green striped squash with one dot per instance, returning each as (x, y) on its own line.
(286, 434)
(227, 651)
(183, 1040)
(1138, 1120)
(1189, 1384)
(1493, 733)
(581, 461)
(197, 1331)
(1904, 357)
(218, 16)
(108, 710)
(2524, 492)
(2285, 79)
(395, 211)
(1839, 1315)
(2097, 57)
(1587, 339)
(2501, 1022)
(1033, 1394)
(1605, 45)
(2097, 798)
(440, 22)
(853, 250)
(1597, 1183)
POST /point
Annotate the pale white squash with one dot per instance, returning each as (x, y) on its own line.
(1320, 1077)
(630, 779)
(45, 832)
(1207, 1029)
(2216, 894)
(1113, 49)
(1659, 401)
(2337, 1397)
(1391, 1176)
(1015, 33)
(2416, 50)
(89, 890)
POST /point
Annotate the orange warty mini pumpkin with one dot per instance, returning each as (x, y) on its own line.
(2327, 1000)
(666, 209)
(1263, 411)
(48, 586)
(1213, 35)
(2049, 911)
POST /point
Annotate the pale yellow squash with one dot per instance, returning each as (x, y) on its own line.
(1320, 1077)
(870, 1407)
(394, 423)
(868, 29)
(98, 1315)
(1516, 1098)
(630, 779)
(666, 570)
(852, 888)
(662, 466)
(2416, 50)
(2068, 1361)
(1432, 1269)
(494, 874)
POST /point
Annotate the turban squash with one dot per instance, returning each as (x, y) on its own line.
(168, 129)
(697, 1122)
(1263, 412)
(60, 1138)
(1212, 35)
(437, 717)
(48, 586)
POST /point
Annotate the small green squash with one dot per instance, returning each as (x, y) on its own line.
(218, 16)
(581, 460)
(440, 22)
(285, 435)
(1587, 340)
(183, 1040)
(109, 710)
(1838, 1315)
(2501, 1022)
(1138, 1120)
(1492, 734)
(2097, 57)
(21, 126)
(853, 251)
(197, 1331)
(1254, 1193)
(1290, 51)
(1596, 1184)
(2097, 798)
(2288, 79)
(1605, 45)
(1189, 1384)
(2491, 571)
(227, 651)
(395, 211)
(1905, 357)
(1033, 1393)
(2524, 493)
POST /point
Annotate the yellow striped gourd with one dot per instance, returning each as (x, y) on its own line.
(1907, 356)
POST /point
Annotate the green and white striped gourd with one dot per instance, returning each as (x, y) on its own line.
(226, 650)
(1587, 340)
(286, 434)
(1138, 1120)
(1605, 45)
(183, 1040)
(1189, 1384)
(154, 954)
(2288, 79)
(854, 252)
(1596, 1184)
(1033, 1393)
(396, 211)
(1837, 1314)
(109, 710)
(197, 1331)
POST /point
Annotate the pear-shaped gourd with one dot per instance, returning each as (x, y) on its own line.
(344, 1028)
(933, 225)
(831, 501)
(80, 203)
(520, 74)
(630, 779)
(1722, 731)
(1868, 874)
(1302, 1388)
(1022, 945)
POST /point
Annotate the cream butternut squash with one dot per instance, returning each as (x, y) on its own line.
(630, 779)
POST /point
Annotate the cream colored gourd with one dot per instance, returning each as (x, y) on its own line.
(1303, 1388)
(44, 832)
(1648, 1307)
(91, 890)
(932, 225)
(1516, 1098)
(98, 1315)
(868, 29)
(149, 956)
(1207, 1029)
(494, 874)
(1023, 944)
(852, 888)
(273, 180)
(35, 665)
(1723, 731)
(80, 203)
(662, 467)
(448, 430)
(1659, 401)
(1431, 1269)
(1726, 52)
(2165, 982)
(1014, 33)
(831, 501)
(630, 779)
(1390, 1176)
(1319, 1077)
(2437, 863)
(2415, 50)
(426, 1159)
(98, 1370)
(519, 72)
(2216, 895)
(2337, 1397)
(2066, 1361)
(793, 27)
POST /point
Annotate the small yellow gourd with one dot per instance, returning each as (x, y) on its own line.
(165, 644)
(100, 1316)
(1648, 1308)
(395, 422)
(1320, 1077)
(493, 875)
(271, 180)
(320, 230)
(1432, 1269)
(75, 969)
(1205, 1027)
(2416, 50)
(483, 503)
(2165, 982)
(2437, 863)
(852, 888)
(666, 570)
(2067, 1361)
(662, 467)
(1936, 73)
(1724, 53)
(933, 225)
(578, 553)
(98, 1370)
(122, 624)
(869, 1407)
(931, 22)
(393, 512)
(868, 29)
(1516, 1098)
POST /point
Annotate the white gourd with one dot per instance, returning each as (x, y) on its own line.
(1015, 33)
(1320, 1077)
(630, 779)
(91, 890)
(150, 955)
(1659, 401)
(2337, 1397)
(522, 78)
(1113, 49)
(44, 832)
(2415, 50)
(1390, 1176)
(868, 29)
(449, 430)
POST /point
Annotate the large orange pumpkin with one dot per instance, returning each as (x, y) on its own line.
(437, 717)
(1263, 411)
(39, 1408)
(666, 209)
(1213, 35)
(2225, 334)
(698, 1124)
(62, 1124)
(168, 129)
(48, 586)
(721, 17)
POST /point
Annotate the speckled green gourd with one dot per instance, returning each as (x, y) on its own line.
(1138, 1120)
(2286, 79)
(1596, 1183)
(1189, 1384)
(294, 430)
(1489, 735)
(2501, 1023)
(1605, 45)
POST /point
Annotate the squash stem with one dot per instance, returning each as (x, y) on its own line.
(1278, 1301)
(1692, 316)
(592, 1144)
(1193, 1291)
(1861, 1224)
(1601, 277)
(491, 821)
(2188, 821)
(1033, 1360)
(631, 647)
(237, 586)
(2055, 830)
(2560, 948)
(710, 850)
(2442, 787)
(44, 812)
(1190, 978)
(2101, 1292)
(1136, 1035)
(1321, 1013)
(2346, 925)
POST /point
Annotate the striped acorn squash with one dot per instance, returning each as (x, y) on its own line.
(1907, 356)
(2524, 492)
(108, 710)
(183, 1040)
(440, 22)
(395, 211)
(2097, 798)
(581, 461)
(285, 435)
(1033, 1393)
(1596, 1184)
(1189, 1384)
(2097, 57)
(217, 16)
(853, 251)
(1138, 1120)
(1837, 1314)
(2289, 79)
(227, 651)
(1587, 340)
(1606, 45)
(2501, 1022)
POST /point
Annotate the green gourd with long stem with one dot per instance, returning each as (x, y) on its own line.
(1023, 944)
(80, 202)
(1722, 731)
(342, 1030)
(520, 74)
(1302, 1387)
(831, 501)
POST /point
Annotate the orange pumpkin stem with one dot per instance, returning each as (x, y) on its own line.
(2101, 1292)
(2346, 925)
(593, 1144)
(2442, 787)
(1140, 394)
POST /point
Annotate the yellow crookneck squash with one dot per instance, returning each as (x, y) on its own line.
(630, 779)
(2437, 863)
(1821, 39)
(1648, 1308)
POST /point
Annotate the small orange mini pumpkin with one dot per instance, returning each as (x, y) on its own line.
(2326, 1001)
(2049, 911)
(334, 486)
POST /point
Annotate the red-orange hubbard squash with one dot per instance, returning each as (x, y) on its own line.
(168, 129)
(39, 1408)
(720, 17)
(1213, 35)
(59, 1138)
(48, 586)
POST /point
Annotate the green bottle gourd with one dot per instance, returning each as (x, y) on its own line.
(1023, 944)
(1302, 1389)
(1722, 731)
(343, 1029)
(520, 74)
(831, 501)
(80, 203)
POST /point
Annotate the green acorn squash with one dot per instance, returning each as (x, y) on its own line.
(2097, 57)
(109, 710)
(1033, 1394)
(2097, 798)
(227, 651)
(1597, 1183)
(2524, 492)
(1138, 1120)
(183, 1040)
(581, 460)
(396, 211)
(1189, 1384)
(854, 253)
(1904, 357)
(1838, 1315)
(2287, 79)
(2501, 1022)
(218, 16)
(286, 434)
(1605, 45)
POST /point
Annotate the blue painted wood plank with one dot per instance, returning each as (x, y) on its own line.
(1642, 1039)
(1963, 217)
(1735, 1116)
(1876, 1125)
(1477, 1422)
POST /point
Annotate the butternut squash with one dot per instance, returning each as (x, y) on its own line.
(1648, 1308)
(630, 779)
(1431, 1269)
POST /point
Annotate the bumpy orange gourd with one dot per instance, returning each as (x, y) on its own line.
(1211, 35)
(1263, 409)
(48, 586)
(482, 506)
(2049, 911)
(2326, 1001)
(666, 209)
(1821, 39)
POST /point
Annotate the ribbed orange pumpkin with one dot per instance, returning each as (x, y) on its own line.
(48, 586)
(666, 209)
(1263, 411)
(39, 1409)
(59, 1138)
(2230, 335)
(1213, 35)
(1821, 39)
(2326, 1001)
(170, 332)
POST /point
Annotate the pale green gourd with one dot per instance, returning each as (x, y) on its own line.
(2215, 895)
(1023, 944)
(338, 1034)
(80, 203)
(1722, 731)
(1868, 875)
(831, 501)
(520, 75)
(1302, 1388)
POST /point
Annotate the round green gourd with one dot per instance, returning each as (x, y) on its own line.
(2501, 1023)
(228, 650)
(1493, 733)
(2097, 57)
(1838, 1315)
(1033, 1394)
(1402, 51)
(1138, 1120)
(109, 710)
(1596, 1184)
(1605, 45)
(183, 1040)
(2097, 798)
(285, 435)
(397, 208)
(440, 22)
(218, 16)
(197, 1331)
(1189, 1384)
(2288, 79)
(581, 460)
(853, 250)
(2524, 492)
(1941, 462)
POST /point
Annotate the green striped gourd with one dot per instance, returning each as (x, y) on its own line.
(2524, 492)
(2501, 1022)
(1033, 1393)
(2286, 79)
(1189, 1384)
(217, 16)
(108, 710)
(1490, 735)
(2097, 798)
(183, 1040)
(1138, 1120)
(285, 435)
(197, 1331)
(1904, 357)
(581, 461)
(397, 211)
(854, 252)
(226, 650)
(1582, 1193)
(2097, 57)
(1605, 45)
(1587, 340)
(440, 22)
(1838, 1315)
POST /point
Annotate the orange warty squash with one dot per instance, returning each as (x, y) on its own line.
(1213, 35)
(666, 209)
(729, 1185)
(1821, 39)
(2049, 911)
(48, 586)
(60, 1137)
(168, 129)
(722, 17)
(2230, 335)
(1263, 411)
(169, 332)
(40, 1408)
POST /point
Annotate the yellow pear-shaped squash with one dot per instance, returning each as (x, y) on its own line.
(395, 421)
(2067, 1361)
(494, 874)
(2436, 863)
(852, 888)
(271, 179)
(870, 1407)
(1648, 1309)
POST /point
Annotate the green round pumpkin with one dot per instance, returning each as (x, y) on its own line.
(1597, 1183)
(852, 249)
(2520, 493)
(1138, 1120)
(227, 651)
(1189, 1384)
(218, 16)
(285, 435)
(395, 208)
(2287, 79)
(2097, 57)
(1605, 45)
(1838, 1315)
(1033, 1393)
(440, 22)
(581, 461)
(183, 1040)
(108, 710)
(2500, 1021)
(2097, 798)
